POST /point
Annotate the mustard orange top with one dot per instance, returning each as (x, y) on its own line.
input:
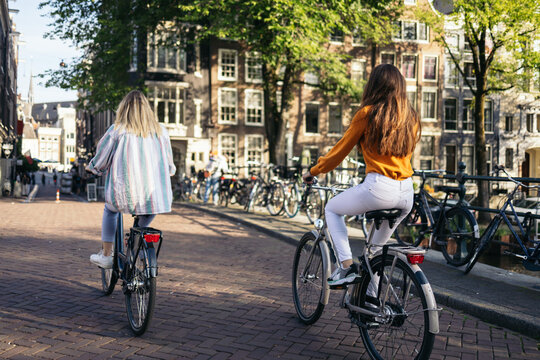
(397, 168)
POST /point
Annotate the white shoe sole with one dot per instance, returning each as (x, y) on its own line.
(345, 281)
(107, 266)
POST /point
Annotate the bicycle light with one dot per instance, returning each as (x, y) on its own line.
(319, 223)
(415, 258)
(149, 238)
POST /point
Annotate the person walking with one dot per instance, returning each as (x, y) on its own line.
(135, 156)
(217, 166)
(386, 128)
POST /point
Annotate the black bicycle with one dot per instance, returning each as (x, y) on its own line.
(135, 263)
(529, 248)
(453, 227)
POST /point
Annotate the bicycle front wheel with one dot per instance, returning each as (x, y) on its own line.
(313, 206)
(140, 293)
(476, 253)
(276, 199)
(402, 332)
(412, 230)
(308, 282)
(109, 277)
(292, 203)
(457, 239)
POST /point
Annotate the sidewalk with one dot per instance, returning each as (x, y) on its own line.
(498, 296)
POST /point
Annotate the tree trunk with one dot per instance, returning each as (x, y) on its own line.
(481, 153)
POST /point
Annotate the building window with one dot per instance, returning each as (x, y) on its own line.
(452, 40)
(227, 105)
(488, 116)
(468, 121)
(430, 68)
(423, 32)
(409, 30)
(227, 64)
(168, 103)
(450, 114)
(253, 68)
(358, 72)
(451, 75)
(408, 66)
(509, 158)
(254, 107)
(254, 148)
(164, 52)
(468, 69)
(227, 147)
(310, 78)
(335, 123)
(509, 123)
(429, 104)
(427, 152)
(467, 156)
(312, 118)
(336, 36)
(388, 58)
(357, 38)
(451, 159)
(530, 123)
(411, 95)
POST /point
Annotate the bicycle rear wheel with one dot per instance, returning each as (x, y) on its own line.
(476, 253)
(403, 330)
(412, 230)
(140, 292)
(308, 282)
(458, 237)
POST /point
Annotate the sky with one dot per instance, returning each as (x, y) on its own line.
(36, 54)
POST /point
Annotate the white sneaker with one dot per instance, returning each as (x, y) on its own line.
(101, 260)
(344, 276)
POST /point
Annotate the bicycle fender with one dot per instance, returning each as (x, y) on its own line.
(433, 312)
(327, 264)
(152, 261)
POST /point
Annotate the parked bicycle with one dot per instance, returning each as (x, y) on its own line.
(135, 263)
(529, 247)
(266, 193)
(392, 305)
(453, 227)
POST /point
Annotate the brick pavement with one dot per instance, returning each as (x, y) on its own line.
(223, 293)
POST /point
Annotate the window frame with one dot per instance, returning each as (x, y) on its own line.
(153, 53)
(318, 118)
(455, 121)
(335, 104)
(220, 90)
(424, 58)
(179, 100)
(431, 91)
(469, 116)
(221, 52)
(247, 149)
(364, 73)
(246, 107)
(415, 56)
(387, 53)
(250, 56)
(220, 148)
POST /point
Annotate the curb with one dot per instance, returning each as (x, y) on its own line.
(493, 314)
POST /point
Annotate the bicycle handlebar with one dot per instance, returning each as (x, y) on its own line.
(498, 168)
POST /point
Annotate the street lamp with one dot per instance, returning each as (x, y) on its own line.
(63, 64)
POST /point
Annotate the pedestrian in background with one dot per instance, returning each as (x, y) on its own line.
(135, 156)
(43, 179)
(217, 166)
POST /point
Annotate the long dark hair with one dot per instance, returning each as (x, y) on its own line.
(394, 126)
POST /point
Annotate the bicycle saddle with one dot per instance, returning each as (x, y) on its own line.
(387, 214)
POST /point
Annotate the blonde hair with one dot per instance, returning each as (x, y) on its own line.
(136, 116)
(394, 126)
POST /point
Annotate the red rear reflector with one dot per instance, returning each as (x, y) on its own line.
(415, 258)
(233, 179)
(253, 178)
(222, 178)
(151, 238)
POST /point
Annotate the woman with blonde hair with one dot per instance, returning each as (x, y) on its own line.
(387, 129)
(135, 156)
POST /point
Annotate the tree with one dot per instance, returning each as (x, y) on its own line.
(503, 37)
(291, 38)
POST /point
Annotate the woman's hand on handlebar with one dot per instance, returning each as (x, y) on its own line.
(307, 177)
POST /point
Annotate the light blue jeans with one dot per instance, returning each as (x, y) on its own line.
(108, 224)
(212, 183)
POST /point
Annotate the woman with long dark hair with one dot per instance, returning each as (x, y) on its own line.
(387, 129)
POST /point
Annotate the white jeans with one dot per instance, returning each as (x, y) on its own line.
(377, 192)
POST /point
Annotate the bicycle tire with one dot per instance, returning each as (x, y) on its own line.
(459, 234)
(109, 277)
(253, 194)
(223, 198)
(313, 206)
(476, 254)
(308, 303)
(276, 199)
(141, 296)
(412, 229)
(292, 202)
(405, 333)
